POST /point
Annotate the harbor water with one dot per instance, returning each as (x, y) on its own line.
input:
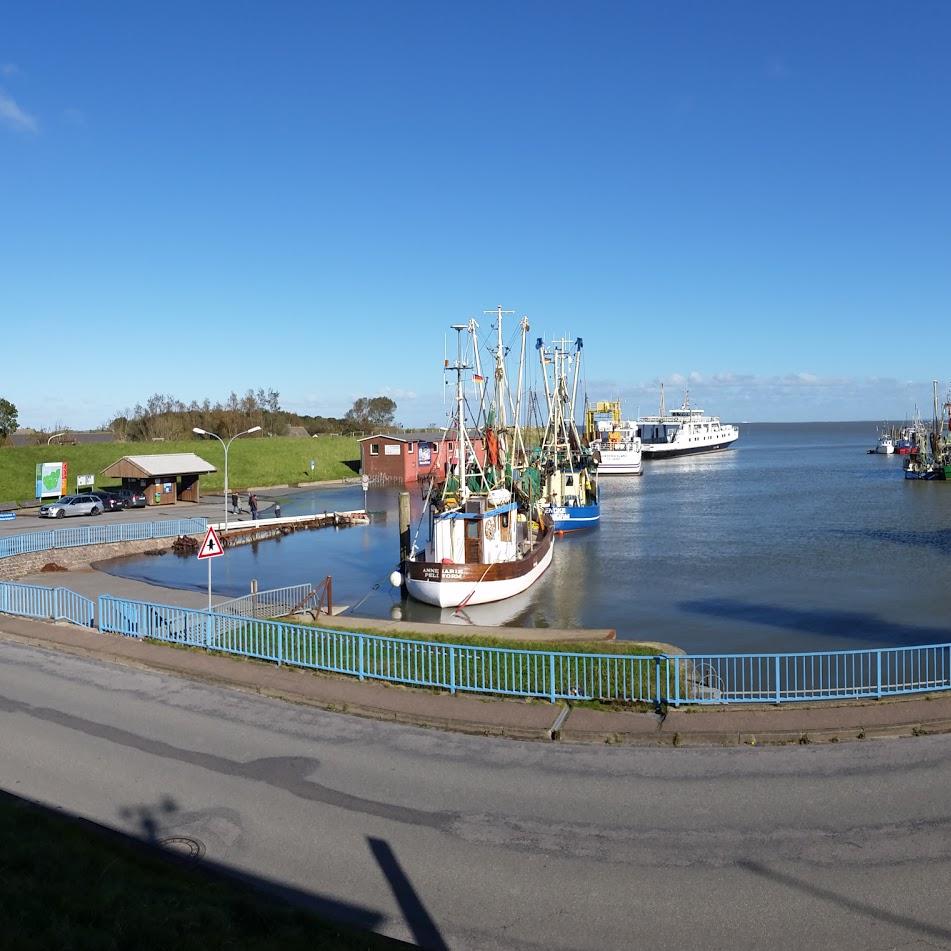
(795, 539)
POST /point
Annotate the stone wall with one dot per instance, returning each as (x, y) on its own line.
(20, 565)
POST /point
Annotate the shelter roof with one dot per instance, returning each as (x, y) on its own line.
(160, 464)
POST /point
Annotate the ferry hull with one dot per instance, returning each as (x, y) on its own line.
(437, 584)
(660, 451)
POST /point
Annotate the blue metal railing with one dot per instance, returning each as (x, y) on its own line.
(551, 675)
(99, 535)
(48, 604)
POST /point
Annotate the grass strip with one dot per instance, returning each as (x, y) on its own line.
(72, 885)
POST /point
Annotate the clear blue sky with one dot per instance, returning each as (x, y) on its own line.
(199, 197)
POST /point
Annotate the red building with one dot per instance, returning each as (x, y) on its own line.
(411, 456)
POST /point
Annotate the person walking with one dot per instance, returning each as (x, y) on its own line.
(253, 506)
(235, 508)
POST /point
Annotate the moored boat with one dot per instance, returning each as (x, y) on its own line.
(489, 539)
(614, 442)
(683, 431)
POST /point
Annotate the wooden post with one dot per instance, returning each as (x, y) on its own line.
(330, 595)
(404, 525)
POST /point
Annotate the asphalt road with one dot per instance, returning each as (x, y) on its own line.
(468, 842)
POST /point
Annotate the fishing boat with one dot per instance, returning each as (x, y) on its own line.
(488, 537)
(614, 442)
(568, 468)
(885, 445)
(683, 431)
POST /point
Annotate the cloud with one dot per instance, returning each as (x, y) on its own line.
(14, 117)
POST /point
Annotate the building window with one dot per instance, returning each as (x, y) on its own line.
(409, 448)
(374, 448)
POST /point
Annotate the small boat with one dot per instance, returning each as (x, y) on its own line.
(885, 445)
(683, 431)
(489, 538)
(568, 467)
(614, 442)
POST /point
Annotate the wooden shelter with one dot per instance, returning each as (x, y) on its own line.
(165, 478)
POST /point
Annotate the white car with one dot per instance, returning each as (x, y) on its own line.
(72, 505)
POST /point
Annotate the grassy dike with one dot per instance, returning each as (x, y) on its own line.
(71, 885)
(251, 461)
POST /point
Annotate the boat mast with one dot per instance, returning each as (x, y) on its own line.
(517, 443)
(663, 407)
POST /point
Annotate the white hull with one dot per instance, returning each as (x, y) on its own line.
(450, 594)
(620, 466)
(685, 448)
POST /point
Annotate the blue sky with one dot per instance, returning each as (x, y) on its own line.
(196, 198)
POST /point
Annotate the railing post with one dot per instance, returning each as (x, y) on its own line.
(280, 644)
(452, 669)
(676, 700)
(657, 679)
(779, 695)
(878, 674)
(361, 640)
(551, 677)
(209, 630)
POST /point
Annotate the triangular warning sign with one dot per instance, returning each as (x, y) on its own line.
(211, 545)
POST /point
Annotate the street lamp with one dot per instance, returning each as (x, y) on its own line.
(50, 440)
(227, 446)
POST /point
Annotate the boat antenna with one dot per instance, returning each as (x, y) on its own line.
(663, 407)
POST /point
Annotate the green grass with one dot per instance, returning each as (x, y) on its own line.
(71, 885)
(513, 672)
(251, 461)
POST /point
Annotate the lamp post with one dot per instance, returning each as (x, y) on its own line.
(50, 440)
(227, 446)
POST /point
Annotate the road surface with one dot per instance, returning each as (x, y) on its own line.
(469, 842)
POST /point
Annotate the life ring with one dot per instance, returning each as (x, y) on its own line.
(490, 528)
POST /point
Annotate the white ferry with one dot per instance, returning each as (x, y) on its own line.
(683, 431)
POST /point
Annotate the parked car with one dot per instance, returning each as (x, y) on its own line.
(72, 505)
(131, 499)
(110, 501)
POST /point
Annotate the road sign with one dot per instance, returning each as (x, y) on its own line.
(366, 482)
(211, 545)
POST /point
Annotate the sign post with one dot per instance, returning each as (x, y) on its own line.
(210, 548)
(366, 485)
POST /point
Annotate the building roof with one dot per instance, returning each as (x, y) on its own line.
(298, 432)
(161, 464)
(424, 436)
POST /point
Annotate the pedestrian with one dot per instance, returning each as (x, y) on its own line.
(253, 506)
(235, 508)
(277, 510)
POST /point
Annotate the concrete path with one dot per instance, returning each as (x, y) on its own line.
(469, 842)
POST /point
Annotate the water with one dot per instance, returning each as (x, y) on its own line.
(796, 539)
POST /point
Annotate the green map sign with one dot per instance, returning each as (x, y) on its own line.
(50, 479)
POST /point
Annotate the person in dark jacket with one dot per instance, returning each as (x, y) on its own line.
(253, 506)
(235, 508)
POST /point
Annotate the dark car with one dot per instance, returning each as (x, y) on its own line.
(131, 499)
(111, 502)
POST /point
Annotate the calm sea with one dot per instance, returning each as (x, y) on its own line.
(796, 539)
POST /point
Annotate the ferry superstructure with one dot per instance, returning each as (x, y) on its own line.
(683, 432)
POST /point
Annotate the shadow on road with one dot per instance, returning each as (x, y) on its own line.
(420, 922)
(850, 904)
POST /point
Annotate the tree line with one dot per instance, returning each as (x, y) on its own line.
(163, 417)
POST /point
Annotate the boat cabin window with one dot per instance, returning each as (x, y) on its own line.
(472, 528)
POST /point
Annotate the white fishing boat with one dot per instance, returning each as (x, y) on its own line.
(885, 445)
(614, 442)
(489, 540)
(683, 431)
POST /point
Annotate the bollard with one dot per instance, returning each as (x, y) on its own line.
(404, 525)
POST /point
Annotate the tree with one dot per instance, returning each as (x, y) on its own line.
(375, 412)
(8, 418)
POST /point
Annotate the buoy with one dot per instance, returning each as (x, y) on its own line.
(396, 579)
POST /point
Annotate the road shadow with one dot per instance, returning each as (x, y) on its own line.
(420, 922)
(849, 625)
(849, 904)
(91, 879)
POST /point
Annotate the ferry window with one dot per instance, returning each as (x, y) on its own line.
(374, 448)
